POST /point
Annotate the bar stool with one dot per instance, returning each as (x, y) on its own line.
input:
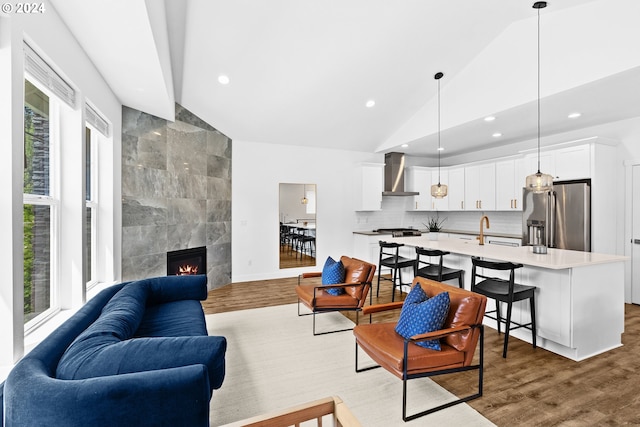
(434, 271)
(306, 241)
(502, 290)
(389, 257)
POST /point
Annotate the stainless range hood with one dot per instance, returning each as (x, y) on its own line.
(394, 176)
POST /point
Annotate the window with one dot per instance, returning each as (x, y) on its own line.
(40, 205)
(91, 206)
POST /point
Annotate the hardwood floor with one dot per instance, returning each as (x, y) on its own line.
(532, 387)
(292, 259)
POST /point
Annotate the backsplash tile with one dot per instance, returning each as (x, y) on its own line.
(395, 213)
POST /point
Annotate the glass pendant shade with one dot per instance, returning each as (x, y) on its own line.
(439, 190)
(538, 182)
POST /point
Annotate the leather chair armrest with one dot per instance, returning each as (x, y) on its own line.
(311, 274)
(440, 333)
(370, 309)
(308, 275)
(337, 285)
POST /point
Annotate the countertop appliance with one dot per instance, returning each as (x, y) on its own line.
(560, 218)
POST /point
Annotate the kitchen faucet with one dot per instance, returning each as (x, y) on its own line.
(481, 236)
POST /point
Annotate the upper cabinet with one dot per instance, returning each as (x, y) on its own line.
(573, 163)
(479, 187)
(419, 179)
(486, 186)
(510, 179)
(563, 163)
(369, 183)
(456, 188)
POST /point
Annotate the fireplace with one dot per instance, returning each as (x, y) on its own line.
(187, 261)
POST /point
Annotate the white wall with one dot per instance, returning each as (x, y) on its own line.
(258, 169)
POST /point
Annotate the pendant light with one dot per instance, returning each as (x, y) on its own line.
(539, 182)
(304, 200)
(440, 190)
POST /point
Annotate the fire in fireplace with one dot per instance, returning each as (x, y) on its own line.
(187, 262)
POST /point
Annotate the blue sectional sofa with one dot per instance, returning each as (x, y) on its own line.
(137, 353)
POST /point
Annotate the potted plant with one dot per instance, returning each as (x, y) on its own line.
(434, 225)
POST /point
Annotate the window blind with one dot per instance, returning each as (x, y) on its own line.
(96, 120)
(39, 69)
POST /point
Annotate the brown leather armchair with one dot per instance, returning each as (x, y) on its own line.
(358, 277)
(459, 336)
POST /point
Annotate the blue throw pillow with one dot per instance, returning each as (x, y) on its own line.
(333, 274)
(421, 314)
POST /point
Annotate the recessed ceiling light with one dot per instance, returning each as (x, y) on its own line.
(489, 118)
(440, 148)
(404, 145)
(370, 103)
(497, 135)
(223, 80)
(574, 115)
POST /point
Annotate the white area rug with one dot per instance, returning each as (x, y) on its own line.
(274, 362)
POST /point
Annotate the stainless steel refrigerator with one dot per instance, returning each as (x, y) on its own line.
(560, 218)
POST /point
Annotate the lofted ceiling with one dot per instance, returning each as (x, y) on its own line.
(301, 71)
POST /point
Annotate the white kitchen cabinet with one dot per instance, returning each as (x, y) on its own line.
(369, 183)
(509, 183)
(573, 163)
(456, 188)
(441, 176)
(553, 304)
(547, 163)
(419, 179)
(480, 187)
(563, 163)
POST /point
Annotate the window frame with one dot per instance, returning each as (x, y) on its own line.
(93, 202)
(52, 200)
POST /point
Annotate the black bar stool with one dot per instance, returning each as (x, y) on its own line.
(502, 290)
(389, 257)
(434, 271)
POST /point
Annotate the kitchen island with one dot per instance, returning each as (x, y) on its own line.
(579, 295)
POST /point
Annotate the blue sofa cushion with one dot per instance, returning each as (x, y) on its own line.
(421, 314)
(173, 319)
(333, 274)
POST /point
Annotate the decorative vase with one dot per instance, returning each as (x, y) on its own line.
(433, 235)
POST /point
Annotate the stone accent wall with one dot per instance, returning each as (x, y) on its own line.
(176, 193)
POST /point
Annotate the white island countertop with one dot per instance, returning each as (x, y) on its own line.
(555, 259)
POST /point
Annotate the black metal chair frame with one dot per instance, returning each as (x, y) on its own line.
(406, 377)
(285, 236)
(442, 273)
(305, 238)
(330, 309)
(506, 291)
(393, 260)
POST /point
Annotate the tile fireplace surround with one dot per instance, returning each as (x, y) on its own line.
(176, 193)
